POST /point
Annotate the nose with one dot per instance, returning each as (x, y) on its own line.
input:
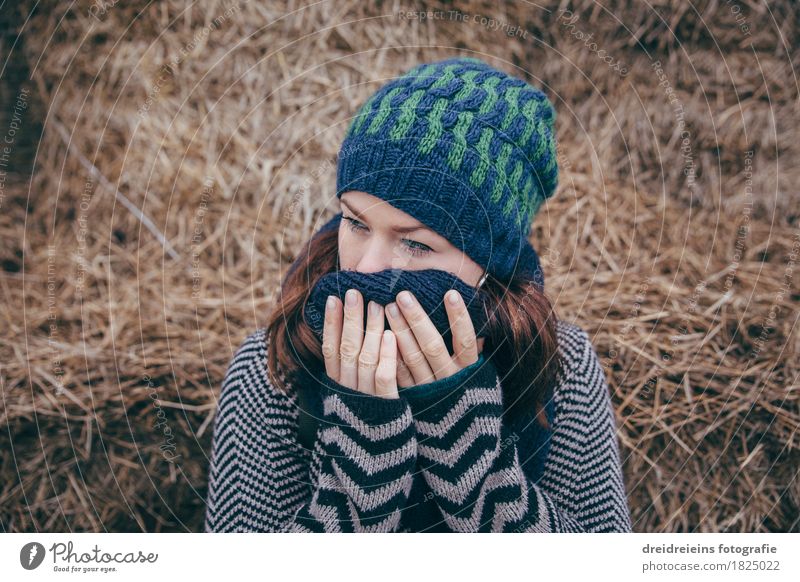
(376, 256)
(373, 258)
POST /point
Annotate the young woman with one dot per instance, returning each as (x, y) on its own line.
(413, 376)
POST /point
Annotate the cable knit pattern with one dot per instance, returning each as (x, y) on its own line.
(359, 475)
(464, 148)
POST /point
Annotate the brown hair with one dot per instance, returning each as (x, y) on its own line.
(521, 340)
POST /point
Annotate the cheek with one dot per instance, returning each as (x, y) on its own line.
(464, 268)
(347, 258)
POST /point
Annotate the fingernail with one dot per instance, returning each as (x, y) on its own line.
(351, 297)
(452, 297)
(392, 309)
(405, 299)
(330, 303)
(374, 309)
(387, 335)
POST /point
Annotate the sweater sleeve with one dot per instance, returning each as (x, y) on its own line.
(366, 453)
(472, 465)
(261, 479)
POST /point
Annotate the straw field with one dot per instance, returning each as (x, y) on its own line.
(164, 161)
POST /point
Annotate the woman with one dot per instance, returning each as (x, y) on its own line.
(458, 402)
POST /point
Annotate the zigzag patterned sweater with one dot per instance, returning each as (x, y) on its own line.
(439, 458)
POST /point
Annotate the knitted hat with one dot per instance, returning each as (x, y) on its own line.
(464, 148)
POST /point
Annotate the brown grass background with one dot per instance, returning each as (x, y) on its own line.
(114, 346)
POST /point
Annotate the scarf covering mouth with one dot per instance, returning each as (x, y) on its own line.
(427, 285)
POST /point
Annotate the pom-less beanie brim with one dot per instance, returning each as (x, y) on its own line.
(464, 148)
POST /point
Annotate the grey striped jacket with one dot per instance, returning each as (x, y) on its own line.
(449, 435)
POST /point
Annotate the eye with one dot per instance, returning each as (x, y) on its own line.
(354, 225)
(413, 247)
(417, 249)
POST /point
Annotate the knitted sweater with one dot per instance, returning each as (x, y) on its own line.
(442, 457)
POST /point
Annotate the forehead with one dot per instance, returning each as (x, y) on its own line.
(378, 210)
(367, 203)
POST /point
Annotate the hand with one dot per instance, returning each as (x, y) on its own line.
(363, 362)
(424, 356)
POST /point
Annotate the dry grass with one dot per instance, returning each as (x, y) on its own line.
(694, 317)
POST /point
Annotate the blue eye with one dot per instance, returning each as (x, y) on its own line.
(415, 248)
(354, 225)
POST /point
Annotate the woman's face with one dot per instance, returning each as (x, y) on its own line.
(374, 235)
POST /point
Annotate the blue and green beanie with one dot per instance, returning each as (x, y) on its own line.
(464, 148)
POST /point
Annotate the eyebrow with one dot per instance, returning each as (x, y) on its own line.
(400, 229)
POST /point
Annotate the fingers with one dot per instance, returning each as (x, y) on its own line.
(465, 344)
(363, 361)
(428, 337)
(404, 376)
(386, 374)
(331, 336)
(375, 361)
(352, 338)
(413, 359)
(370, 350)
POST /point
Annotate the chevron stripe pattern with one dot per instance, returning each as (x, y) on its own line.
(368, 451)
(449, 434)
